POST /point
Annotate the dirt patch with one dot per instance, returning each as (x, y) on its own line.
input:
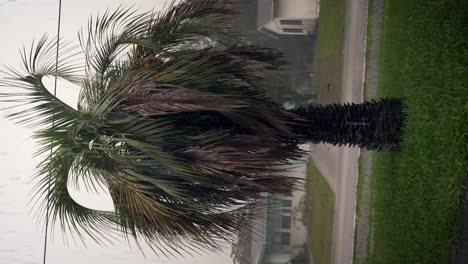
(364, 209)
(363, 235)
(374, 35)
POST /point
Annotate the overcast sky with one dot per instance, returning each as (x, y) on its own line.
(21, 239)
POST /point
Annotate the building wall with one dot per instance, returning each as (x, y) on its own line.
(285, 12)
(282, 234)
(297, 49)
(285, 215)
(303, 9)
(298, 231)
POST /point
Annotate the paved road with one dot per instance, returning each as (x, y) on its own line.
(340, 165)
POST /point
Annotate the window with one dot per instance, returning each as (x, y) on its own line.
(285, 222)
(285, 238)
(282, 238)
(286, 203)
(290, 22)
(293, 30)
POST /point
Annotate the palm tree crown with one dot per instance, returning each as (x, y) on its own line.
(179, 133)
(173, 118)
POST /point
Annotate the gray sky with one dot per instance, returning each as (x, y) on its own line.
(21, 239)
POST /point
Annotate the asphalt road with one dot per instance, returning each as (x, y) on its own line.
(339, 165)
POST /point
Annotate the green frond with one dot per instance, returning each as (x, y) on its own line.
(180, 133)
(54, 174)
(26, 86)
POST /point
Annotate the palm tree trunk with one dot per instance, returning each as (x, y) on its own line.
(373, 125)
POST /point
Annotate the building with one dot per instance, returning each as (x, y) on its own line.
(287, 17)
(281, 235)
(293, 84)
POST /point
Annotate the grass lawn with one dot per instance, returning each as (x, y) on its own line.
(319, 209)
(416, 198)
(328, 61)
(328, 69)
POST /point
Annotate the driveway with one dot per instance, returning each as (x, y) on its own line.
(339, 165)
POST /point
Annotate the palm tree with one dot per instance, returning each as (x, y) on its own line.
(179, 132)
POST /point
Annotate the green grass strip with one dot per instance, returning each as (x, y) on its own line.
(417, 192)
(328, 60)
(319, 211)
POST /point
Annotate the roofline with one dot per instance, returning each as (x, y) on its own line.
(274, 35)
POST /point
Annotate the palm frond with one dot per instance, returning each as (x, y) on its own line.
(180, 134)
(43, 106)
(51, 188)
(150, 99)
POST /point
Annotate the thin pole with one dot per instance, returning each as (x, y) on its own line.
(53, 125)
